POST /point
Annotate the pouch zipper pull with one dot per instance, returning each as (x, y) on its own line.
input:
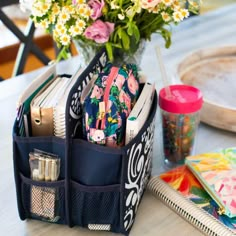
(102, 111)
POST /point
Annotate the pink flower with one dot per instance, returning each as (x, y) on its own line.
(97, 135)
(133, 84)
(97, 92)
(119, 81)
(146, 4)
(96, 6)
(99, 31)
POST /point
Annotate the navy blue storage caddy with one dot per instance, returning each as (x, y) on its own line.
(99, 187)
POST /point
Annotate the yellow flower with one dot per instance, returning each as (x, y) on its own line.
(55, 34)
(177, 16)
(80, 24)
(165, 16)
(36, 10)
(44, 24)
(75, 30)
(156, 9)
(64, 16)
(55, 9)
(194, 4)
(70, 9)
(65, 40)
(176, 5)
(45, 7)
(80, 1)
(167, 2)
(52, 18)
(61, 29)
(109, 119)
(84, 11)
(184, 13)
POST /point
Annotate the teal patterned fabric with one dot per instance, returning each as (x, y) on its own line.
(109, 103)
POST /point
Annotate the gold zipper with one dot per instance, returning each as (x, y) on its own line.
(102, 111)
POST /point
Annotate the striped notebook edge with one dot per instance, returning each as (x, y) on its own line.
(196, 216)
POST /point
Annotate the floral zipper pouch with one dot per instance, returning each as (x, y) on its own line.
(217, 174)
(108, 104)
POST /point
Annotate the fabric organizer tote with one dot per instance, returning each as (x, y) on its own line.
(99, 187)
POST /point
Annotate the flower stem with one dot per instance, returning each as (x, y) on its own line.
(155, 21)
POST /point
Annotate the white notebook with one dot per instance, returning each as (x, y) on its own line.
(140, 112)
(59, 110)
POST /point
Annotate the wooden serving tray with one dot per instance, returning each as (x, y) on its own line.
(213, 71)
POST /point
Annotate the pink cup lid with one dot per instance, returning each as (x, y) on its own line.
(184, 99)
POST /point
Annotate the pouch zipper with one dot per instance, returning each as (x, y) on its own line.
(221, 209)
(103, 105)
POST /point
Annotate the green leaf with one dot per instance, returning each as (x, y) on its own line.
(136, 33)
(109, 51)
(133, 30)
(167, 36)
(125, 40)
(130, 29)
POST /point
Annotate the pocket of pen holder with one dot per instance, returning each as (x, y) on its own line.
(24, 145)
(96, 207)
(43, 200)
(95, 165)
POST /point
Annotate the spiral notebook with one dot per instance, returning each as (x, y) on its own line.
(181, 191)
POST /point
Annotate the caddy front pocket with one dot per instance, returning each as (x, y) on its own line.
(24, 145)
(95, 165)
(96, 207)
(43, 200)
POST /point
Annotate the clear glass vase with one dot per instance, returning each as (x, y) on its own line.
(86, 52)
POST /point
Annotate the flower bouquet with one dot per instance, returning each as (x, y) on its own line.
(115, 24)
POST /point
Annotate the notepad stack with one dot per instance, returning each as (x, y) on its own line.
(48, 107)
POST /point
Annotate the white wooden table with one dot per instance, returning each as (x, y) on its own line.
(213, 29)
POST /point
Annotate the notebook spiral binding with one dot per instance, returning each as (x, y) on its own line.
(199, 218)
(59, 121)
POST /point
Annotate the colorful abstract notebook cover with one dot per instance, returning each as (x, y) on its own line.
(183, 181)
(217, 174)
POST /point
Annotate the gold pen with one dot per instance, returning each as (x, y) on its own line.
(41, 168)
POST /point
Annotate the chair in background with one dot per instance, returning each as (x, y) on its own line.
(26, 40)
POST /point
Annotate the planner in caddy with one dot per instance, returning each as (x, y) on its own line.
(99, 187)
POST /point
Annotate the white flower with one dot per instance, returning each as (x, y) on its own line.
(165, 16)
(56, 9)
(84, 11)
(75, 30)
(167, 2)
(177, 15)
(64, 16)
(114, 5)
(44, 24)
(40, 8)
(80, 23)
(185, 13)
(60, 28)
(121, 16)
(65, 40)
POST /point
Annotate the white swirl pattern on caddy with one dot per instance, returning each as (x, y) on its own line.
(138, 173)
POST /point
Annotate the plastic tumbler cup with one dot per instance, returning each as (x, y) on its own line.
(180, 110)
